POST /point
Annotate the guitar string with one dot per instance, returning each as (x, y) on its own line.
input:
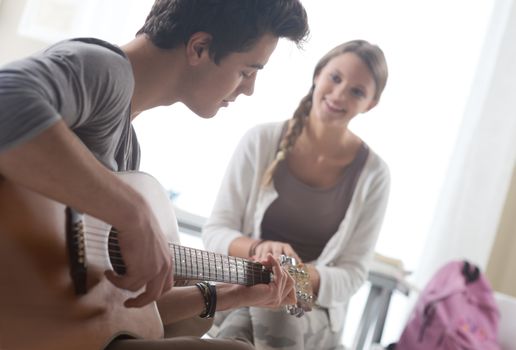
(250, 265)
(256, 271)
(212, 257)
(240, 266)
(196, 271)
(237, 263)
(245, 276)
(186, 255)
(182, 257)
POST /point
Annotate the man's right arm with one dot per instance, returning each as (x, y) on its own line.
(57, 165)
(185, 302)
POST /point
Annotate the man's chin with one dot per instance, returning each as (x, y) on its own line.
(206, 114)
(209, 115)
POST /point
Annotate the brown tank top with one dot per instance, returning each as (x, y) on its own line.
(307, 217)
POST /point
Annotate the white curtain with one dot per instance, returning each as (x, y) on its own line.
(474, 192)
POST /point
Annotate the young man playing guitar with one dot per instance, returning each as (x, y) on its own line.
(65, 130)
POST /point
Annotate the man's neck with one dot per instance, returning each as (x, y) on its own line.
(156, 74)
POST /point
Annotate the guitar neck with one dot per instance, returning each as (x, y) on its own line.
(196, 264)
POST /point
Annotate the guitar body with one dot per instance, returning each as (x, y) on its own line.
(39, 308)
(52, 299)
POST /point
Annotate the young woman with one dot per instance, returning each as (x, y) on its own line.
(312, 189)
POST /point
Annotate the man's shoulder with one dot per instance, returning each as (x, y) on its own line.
(88, 50)
(97, 64)
(96, 44)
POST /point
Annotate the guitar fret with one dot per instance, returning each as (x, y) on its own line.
(254, 282)
(212, 268)
(182, 261)
(209, 265)
(215, 266)
(243, 274)
(236, 268)
(225, 272)
(190, 263)
(199, 274)
(229, 268)
(245, 265)
(188, 266)
(179, 259)
(202, 264)
(175, 259)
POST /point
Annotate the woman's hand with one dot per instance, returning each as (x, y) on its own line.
(280, 291)
(263, 248)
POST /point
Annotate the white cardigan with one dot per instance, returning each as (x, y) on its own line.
(242, 202)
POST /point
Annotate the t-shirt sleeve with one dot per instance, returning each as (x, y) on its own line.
(25, 111)
(80, 83)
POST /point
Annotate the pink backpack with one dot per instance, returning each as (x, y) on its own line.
(456, 310)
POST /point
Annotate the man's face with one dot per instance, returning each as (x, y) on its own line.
(219, 85)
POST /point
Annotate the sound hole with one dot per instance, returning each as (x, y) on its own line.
(115, 255)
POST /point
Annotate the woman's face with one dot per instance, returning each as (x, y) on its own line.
(343, 88)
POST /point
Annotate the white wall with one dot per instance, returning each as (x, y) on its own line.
(478, 178)
(12, 44)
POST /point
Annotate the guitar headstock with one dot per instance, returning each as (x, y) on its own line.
(304, 292)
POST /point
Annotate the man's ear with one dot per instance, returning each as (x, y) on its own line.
(197, 47)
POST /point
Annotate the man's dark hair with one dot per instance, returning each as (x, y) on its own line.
(235, 25)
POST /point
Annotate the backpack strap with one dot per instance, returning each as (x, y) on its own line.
(470, 272)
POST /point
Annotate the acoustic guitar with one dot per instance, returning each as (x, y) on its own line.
(53, 292)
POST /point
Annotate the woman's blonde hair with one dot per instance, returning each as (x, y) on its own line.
(373, 58)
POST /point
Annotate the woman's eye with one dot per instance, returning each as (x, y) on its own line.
(247, 74)
(335, 78)
(358, 93)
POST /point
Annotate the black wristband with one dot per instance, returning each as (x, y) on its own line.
(213, 300)
(209, 293)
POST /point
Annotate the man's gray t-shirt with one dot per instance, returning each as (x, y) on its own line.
(88, 83)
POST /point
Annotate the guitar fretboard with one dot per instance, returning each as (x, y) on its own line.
(196, 264)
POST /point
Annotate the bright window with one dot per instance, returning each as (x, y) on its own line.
(432, 49)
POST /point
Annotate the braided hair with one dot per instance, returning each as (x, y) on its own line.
(373, 58)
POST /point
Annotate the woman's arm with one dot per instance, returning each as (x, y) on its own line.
(341, 277)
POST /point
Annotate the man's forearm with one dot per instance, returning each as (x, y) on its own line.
(57, 165)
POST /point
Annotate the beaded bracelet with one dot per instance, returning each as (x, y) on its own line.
(209, 293)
